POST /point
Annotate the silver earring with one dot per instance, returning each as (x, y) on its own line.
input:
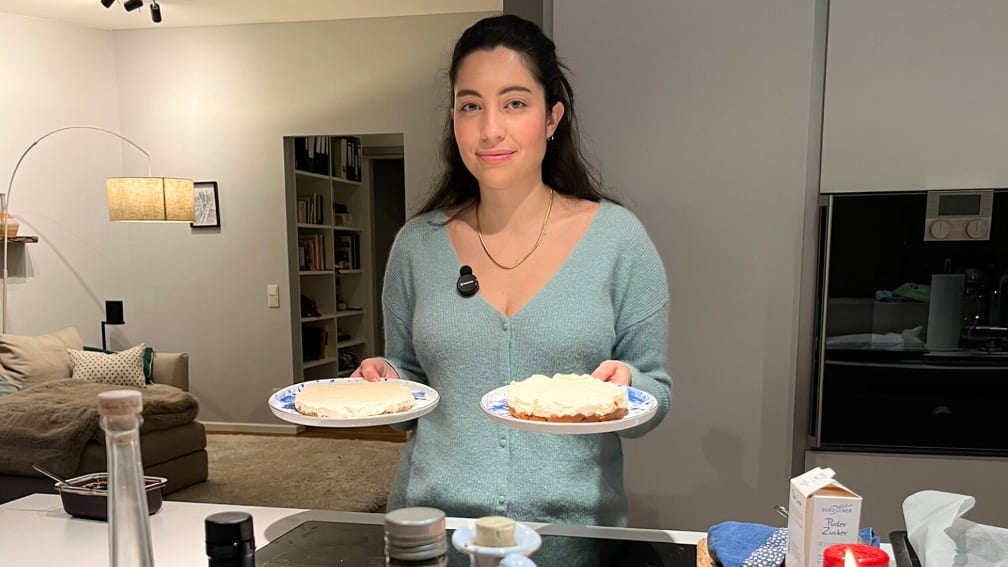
(551, 138)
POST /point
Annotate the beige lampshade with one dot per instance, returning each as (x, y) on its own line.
(150, 199)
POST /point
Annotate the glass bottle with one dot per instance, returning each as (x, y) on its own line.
(129, 524)
(415, 537)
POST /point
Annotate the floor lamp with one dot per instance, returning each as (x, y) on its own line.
(130, 199)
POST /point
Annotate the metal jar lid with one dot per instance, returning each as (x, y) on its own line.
(415, 533)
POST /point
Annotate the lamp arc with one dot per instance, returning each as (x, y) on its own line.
(10, 189)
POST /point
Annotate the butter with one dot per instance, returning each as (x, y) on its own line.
(495, 531)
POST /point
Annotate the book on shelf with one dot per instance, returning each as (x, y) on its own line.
(314, 343)
(311, 154)
(345, 157)
(309, 209)
(311, 253)
(346, 248)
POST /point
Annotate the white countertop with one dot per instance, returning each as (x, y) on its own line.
(35, 530)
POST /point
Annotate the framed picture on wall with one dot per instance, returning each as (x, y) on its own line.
(207, 213)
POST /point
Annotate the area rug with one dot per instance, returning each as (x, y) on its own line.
(296, 472)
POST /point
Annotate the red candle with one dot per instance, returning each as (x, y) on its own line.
(860, 556)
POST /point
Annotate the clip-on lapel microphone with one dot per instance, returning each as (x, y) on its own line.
(467, 284)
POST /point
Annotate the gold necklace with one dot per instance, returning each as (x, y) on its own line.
(542, 231)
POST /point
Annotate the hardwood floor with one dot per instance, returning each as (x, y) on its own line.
(380, 433)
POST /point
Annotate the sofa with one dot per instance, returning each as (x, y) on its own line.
(48, 413)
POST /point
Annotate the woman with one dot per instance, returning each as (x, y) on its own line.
(568, 283)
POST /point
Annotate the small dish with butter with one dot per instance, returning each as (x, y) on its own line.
(494, 541)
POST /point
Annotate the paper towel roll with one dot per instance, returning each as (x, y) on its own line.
(945, 311)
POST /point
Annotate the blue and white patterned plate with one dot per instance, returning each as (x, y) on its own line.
(641, 407)
(281, 403)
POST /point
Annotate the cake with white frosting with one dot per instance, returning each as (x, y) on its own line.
(569, 398)
(354, 399)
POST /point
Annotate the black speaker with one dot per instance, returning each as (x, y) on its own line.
(114, 312)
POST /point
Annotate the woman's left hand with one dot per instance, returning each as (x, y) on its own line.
(613, 371)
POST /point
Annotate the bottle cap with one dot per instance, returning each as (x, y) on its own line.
(225, 528)
(120, 402)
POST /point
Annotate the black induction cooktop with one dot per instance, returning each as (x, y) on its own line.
(324, 544)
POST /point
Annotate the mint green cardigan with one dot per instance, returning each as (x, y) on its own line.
(607, 301)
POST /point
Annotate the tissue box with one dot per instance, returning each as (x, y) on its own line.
(821, 512)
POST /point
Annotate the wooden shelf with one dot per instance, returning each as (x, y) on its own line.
(350, 343)
(22, 239)
(319, 318)
(342, 180)
(319, 362)
(342, 272)
(310, 174)
(349, 313)
(346, 228)
(316, 272)
(345, 181)
(316, 226)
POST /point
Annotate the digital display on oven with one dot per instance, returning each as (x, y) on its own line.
(959, 205)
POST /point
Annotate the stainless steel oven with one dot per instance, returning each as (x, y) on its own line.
(912, 323)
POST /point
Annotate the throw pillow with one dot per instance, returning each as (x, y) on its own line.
(148, 360)
(120, 369)
(34, 359)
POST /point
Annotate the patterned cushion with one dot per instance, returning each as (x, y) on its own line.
(148, 360)
(124, 368)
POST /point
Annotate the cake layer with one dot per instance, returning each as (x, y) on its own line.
(354, 399)
(566, 398)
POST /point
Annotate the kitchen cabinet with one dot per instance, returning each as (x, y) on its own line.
(914, 96)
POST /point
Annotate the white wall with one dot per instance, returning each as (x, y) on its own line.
(700, 115)
(54, 75)
(214, 104)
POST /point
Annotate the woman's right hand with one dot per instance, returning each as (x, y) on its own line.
(373, 369)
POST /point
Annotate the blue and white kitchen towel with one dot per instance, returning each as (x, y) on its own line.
(739, 544)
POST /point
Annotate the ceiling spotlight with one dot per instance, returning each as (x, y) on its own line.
(107, 3)
(131, 5)
(155, 12)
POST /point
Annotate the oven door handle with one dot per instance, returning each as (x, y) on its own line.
(915, 365)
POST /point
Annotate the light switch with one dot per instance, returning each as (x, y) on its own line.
(272, 295)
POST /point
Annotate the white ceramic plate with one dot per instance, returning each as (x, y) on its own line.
(281, 403)
(642, 406)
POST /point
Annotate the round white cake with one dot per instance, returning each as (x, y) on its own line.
(569, 398)
(353, 399)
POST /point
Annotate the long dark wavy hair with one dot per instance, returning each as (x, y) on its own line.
(564, 167)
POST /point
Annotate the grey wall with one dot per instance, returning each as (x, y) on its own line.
(700, 114)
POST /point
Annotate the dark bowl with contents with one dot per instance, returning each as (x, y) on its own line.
(86, 496)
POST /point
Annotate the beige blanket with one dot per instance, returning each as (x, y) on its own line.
(49, 424)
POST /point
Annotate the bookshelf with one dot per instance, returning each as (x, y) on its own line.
(328, 200)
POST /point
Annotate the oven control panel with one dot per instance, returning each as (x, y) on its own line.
(958, 215)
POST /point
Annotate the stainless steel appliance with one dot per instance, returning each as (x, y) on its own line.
(912, 324)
